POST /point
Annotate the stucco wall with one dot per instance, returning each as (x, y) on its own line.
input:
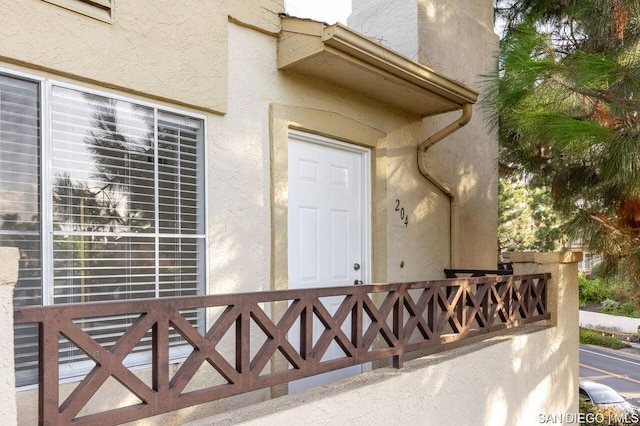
(509, 380)
(262, 105)
(454, 38)
(609, 322)
(149, 50)
(199, 44)
(8, 277)
(220, 57)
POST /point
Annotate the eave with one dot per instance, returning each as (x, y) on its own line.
(343, 57)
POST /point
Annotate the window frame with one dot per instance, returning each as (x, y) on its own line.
(47, 236)
(47, 173)
(102, 10)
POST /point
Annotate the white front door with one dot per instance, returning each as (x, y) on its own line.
(328, 228)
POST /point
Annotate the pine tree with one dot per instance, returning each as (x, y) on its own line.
(526, 220)
(565, 101)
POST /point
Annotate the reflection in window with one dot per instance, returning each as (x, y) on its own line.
(127, 205)
(20, 201)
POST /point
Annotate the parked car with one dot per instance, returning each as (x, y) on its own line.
(603, 396)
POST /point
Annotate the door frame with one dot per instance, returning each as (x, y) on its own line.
(283, 119)
(366, 200)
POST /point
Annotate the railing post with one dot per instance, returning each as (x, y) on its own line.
(398, 326)
(9, 258)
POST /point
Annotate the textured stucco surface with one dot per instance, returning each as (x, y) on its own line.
(454, 38)
(509, 380)
(8, 266)
(149, 50)
(8, 275)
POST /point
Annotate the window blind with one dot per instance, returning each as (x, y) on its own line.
(127, 209)
(20, 201)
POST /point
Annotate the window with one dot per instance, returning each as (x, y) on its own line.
(106, 204)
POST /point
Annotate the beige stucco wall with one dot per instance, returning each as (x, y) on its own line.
(454, 38)
(508, 380)
(8, 276)
(219, 59)
(167, 50)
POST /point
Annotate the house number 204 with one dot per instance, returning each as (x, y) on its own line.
(403, 215)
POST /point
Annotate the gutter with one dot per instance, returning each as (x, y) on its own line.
(422, 166)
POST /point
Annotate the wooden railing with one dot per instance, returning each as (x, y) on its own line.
(503, 269)
(382, 321)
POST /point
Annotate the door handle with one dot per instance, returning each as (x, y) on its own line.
(357, 282)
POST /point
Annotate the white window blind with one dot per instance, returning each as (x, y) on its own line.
(127, 209)
(20, 201)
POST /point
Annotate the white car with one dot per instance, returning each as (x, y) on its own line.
(603, 396)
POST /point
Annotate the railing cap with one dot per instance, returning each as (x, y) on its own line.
(9, 258)
(561, 257)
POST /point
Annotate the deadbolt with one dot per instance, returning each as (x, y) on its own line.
(356, 267)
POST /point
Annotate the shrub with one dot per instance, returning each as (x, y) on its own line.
(594, 291)
(588, 410)
(610, 307)
(629, 310)
(588, 337)
(618, 297)
(604, 416)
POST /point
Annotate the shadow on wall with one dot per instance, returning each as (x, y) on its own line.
(418, 214)
(500, 382)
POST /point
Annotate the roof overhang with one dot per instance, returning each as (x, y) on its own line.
(348, 59)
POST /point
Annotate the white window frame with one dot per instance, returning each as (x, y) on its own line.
(47, 169)
(101, 10)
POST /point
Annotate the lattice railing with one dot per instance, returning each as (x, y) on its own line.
(372, 322)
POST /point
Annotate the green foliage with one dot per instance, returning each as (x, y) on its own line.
(514, 218)
(594, 291)
(612, 307)
(617, 297)
(592, 415)
(629, 310)
(588, 337)
(526, 219)
(566, 106)
(588, 410)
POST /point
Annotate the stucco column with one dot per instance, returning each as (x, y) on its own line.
(563, 304)
(9, 257)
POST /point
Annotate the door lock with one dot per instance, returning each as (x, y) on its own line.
(356, 267)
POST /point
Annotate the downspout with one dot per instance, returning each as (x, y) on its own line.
(422, 166)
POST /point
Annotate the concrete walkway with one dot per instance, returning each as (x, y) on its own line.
(611, 322)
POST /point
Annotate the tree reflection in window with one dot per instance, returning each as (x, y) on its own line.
(126, 205)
